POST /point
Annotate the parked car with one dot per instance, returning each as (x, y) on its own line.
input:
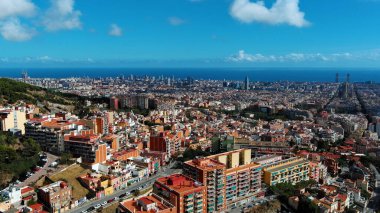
(97, 206)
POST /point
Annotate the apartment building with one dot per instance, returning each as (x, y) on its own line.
(88, 147)
(162, 143)
(56, 196)
(186, 194)
(260, 148)
(231, 178)
(291, 170)
(147, 204)
(48, 133)
(13, 119)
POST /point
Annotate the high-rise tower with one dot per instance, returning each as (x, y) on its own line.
(246, 83)
(337, 78)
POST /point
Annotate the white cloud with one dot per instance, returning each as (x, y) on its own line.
(13, 8)
(4, 60)
(10, 26)
(62, 16)
(175, 21)
(281, 12)
(242, 57)
(115, 30)
(12, 30)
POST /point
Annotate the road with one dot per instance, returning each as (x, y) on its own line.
(374, 202)
(148, 181)
(43, 171)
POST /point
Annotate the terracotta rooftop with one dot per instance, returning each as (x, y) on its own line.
(136, 207)
(179, 183)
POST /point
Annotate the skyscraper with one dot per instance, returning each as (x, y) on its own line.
(246, 83)
(337, 78)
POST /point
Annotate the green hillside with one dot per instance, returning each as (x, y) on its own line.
(12, 91)
(17, 156)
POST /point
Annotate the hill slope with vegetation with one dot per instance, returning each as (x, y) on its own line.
(17, 156)
(12, 91)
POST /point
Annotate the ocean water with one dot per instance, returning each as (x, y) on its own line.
(254, 74)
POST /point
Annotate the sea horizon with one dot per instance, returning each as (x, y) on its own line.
(218, 73)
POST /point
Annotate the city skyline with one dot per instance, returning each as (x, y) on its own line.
(184, 33)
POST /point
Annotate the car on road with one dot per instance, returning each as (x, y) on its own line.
(104, 203)
(97, 206)
(91, 209)
(111, 200)
(36, 169)
(122, 195)
(84, 211)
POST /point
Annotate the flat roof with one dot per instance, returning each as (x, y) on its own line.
(179, 183)
(286, 165)
(206, 164)
(133, 206)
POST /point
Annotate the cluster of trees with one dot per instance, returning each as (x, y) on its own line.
(366, 160)
(286, 190)
(190, 154)
(13, 91)
(16, 157)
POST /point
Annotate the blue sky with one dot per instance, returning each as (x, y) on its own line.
(189, 33)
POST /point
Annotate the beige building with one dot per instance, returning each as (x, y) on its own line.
(56, 196)
(13, 118)
(231, 178)
(292, 170)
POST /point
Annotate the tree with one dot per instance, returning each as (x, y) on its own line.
(323, 145)
(167, 127)
(191, 154)
(31, 202)
(66, 158)
(305, 205)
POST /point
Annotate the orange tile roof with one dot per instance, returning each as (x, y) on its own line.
(180, 183)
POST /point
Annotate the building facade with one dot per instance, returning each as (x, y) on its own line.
(292, 170)
(183, 192)
(56, 196)
(231, 178)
